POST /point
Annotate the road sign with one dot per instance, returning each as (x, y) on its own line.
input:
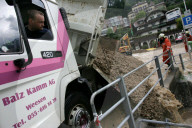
(173, 14)
(187, 21)
(187, 12)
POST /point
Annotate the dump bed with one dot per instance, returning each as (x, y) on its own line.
(85, 18)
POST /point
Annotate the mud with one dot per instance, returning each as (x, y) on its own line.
(115, 64)
(160, 104)
(187, 115)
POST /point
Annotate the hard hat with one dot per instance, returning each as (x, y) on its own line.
(161, 35)
(187, 32)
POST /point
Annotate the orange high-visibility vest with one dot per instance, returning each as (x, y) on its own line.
(166, 45)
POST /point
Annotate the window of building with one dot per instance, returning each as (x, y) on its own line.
(161, 21)
(159, 15)
(10, 39)
(115, 19)
(152, 17)
(113, 24)
(140, 22)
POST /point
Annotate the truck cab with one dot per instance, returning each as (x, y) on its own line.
(41, 83)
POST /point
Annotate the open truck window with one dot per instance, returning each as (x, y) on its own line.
(35, 20)
(10, 41)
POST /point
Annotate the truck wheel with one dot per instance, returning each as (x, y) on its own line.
(78, 111)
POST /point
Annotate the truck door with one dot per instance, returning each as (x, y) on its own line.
(29, 97)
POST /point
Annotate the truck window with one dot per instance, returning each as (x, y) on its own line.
(35, 20)
(10, 41)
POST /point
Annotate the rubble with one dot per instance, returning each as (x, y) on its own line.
(160, 104)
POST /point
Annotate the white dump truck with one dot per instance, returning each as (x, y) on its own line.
(47, 80)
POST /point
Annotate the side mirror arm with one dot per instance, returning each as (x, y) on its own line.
(26, 42)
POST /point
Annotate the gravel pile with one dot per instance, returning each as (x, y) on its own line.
(159, 105)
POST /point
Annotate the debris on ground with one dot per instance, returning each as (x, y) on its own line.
(160, 104)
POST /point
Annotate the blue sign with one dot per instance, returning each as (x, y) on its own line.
(187, 21)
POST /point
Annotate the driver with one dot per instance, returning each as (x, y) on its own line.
(35, 28)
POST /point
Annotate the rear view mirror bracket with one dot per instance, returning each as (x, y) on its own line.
(20, 63)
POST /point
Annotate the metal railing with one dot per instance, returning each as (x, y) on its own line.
(181, 59)
(125, 96)
(164, 123)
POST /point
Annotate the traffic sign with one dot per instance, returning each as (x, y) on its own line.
(187, 21)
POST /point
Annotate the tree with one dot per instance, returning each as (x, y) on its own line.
(129, 32)
(162, 8)
(189, 4)
(178, 3)
(140, 15)
(116, 3)
(111, 3)
(128, 7)
(116, 8)
(109, 31)
(179, 24)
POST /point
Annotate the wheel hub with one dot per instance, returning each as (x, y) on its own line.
(79, 117)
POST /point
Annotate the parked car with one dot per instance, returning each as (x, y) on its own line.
(179, 39)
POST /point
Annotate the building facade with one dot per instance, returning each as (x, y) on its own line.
(114, 23)
(155, 22)
(144, 6)
(148, 29)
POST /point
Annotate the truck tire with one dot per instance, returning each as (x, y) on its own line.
(78, 111)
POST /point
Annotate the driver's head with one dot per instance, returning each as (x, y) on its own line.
(36, 20)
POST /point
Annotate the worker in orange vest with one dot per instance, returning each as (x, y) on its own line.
(166, 45)
(189, 38)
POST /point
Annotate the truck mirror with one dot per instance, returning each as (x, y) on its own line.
(64, 16)
(19, 62)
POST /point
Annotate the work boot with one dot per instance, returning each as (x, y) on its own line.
(168, 64)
